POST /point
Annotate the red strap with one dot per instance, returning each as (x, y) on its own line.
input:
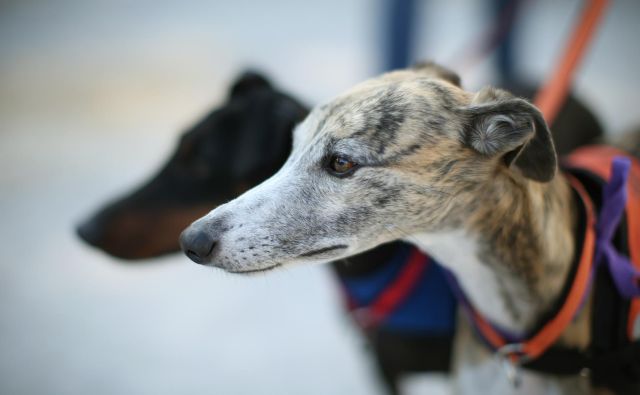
(398, 291)
(389, 299)
(554, 92)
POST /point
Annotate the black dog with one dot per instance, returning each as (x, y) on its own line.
(234, 148)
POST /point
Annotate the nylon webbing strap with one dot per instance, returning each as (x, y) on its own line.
(552, 95)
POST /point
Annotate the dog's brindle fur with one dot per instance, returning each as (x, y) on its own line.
(469, 178)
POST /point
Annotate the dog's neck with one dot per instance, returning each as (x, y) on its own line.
(513, 253)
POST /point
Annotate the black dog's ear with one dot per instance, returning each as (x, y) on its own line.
(497, 123)
(432, 69)
(248, 81)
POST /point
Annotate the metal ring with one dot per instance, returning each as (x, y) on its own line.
(516, 349)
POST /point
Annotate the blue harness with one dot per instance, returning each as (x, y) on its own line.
(408, 294)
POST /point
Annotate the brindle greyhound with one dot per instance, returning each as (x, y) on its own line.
(469, 178)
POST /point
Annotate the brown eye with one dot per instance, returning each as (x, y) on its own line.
(340, 165)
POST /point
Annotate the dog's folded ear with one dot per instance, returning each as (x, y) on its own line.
(497, 123)
(434, 70)
(249, 80)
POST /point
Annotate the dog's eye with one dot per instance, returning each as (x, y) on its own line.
(340, 165)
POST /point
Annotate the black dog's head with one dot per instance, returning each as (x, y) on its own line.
(232, 149)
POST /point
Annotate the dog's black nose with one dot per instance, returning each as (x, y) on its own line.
(197, 245)
(91, 232)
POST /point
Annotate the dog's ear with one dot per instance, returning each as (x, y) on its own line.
(497, 123)
(434, 70)
(248, 81)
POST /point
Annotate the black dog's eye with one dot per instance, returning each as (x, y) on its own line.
(340, 165)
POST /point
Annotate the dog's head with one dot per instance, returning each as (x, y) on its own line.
(401, 154)
(233, 148)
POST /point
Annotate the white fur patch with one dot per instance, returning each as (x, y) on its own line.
(457, 251)
(425, 383)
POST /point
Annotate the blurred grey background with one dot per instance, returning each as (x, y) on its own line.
(93, 95)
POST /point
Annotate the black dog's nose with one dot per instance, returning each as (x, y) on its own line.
(197, 245)
(91, 232)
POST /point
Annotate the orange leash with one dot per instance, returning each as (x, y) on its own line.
(552, 95)
(536, 345)
(550, 100)
(541, 341)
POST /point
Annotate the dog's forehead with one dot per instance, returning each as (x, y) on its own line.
(392, 109)
(375, 98)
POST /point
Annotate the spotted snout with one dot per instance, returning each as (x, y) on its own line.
(239, 238)
(237, 251)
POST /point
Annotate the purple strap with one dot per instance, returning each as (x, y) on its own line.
(460, 296)
(625, 276)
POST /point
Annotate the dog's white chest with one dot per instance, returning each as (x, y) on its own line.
(458, 252)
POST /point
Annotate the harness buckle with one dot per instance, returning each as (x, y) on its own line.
(511, 356)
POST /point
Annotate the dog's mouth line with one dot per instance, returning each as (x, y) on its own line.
(264, 269)
(305, 255)
(323, 250)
